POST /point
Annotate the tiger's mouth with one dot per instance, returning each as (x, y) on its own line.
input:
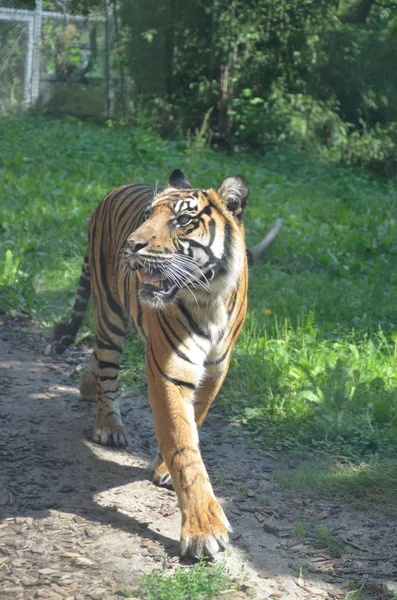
(154, 281)
(149, 278)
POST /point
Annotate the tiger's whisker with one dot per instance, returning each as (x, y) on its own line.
(193, 278)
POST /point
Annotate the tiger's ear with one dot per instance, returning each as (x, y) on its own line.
(234, 193)
(179, 180)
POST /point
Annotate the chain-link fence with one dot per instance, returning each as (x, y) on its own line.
(16, 31)
(55, 60)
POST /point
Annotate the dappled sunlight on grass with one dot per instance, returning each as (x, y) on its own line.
(334, 392)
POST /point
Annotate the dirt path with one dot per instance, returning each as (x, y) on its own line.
(80, 521)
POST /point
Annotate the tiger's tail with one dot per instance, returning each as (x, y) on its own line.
(256, 252)
(64, 333)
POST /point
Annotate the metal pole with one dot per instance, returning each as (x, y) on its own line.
(29, 65)
(107, 60)
(36, 52)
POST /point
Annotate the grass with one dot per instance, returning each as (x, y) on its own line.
(335, 392)
(363, 591)
(201, 581)
(301, 528)
(334, 545)
(305, 527)
(364, 481)
(315, 368)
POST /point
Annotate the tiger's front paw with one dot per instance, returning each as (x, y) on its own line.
(111, 433)
(205, 531)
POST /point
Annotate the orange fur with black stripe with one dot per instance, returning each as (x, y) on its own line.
(173, 265)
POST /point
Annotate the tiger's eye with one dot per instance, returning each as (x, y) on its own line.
(183, 220)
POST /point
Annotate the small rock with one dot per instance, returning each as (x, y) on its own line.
(59, 590)
(86, 562)
(90, 532)
(51, 595)
(79, 520)
(47, 571)
(73, 586)
(270, 528)
(127, 554)
(97, 594)
(28, 581)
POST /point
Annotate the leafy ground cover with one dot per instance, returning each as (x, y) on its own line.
(202, 581)
(315, 367)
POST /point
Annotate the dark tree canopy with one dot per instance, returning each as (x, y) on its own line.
(310, 71)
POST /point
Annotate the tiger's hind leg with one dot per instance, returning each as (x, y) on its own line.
(108, 429)
(110, 335)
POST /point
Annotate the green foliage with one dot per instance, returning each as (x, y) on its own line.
(127, 593)
(200, 581)
(133, 371)
(315, 74)
(10, 270)
(355, 67)
(13, 48)
(375, 148)
(301, 528)
(337, 395)
(13, 286)
(50, 182)
(362, 590)
(334, 545)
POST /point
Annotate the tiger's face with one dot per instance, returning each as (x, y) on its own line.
(191, 243)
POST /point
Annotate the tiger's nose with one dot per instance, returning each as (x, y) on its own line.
(136, 245)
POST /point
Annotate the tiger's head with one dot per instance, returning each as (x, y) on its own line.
(191, 244)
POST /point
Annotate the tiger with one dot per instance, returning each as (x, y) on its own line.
(172, 264)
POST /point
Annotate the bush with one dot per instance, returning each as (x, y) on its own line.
(374, 148)
(284, 117)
